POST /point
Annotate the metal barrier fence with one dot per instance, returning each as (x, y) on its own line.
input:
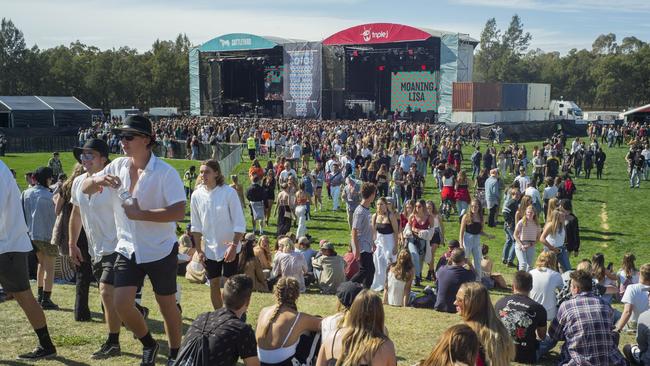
(29, 144)
(233, 159)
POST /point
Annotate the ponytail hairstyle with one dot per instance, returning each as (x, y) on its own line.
(286, 292)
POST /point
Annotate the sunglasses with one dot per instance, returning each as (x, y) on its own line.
(129, 137)
(87, 157)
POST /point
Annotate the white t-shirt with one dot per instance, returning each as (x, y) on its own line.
(159, 186)
(622, 278)
(637, 296)
(217, 215)
(523, 182)
(545, 284)
(13, 230)
(550, 192)
(97, 217)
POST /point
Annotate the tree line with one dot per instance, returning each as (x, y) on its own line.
(611, 75)
(114, 78)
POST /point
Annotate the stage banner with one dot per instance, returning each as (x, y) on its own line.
(303, 79)
(195, 92)
(448, 75)
(415, 89)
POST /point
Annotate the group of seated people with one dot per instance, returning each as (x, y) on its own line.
(546, 307)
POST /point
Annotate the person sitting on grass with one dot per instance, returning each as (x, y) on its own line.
(289, 263)
(398, 281)
(635, 299)
(457, 346)
(230, 338)
(474, 306)
(345, 295)
(363, 340)
(450, 278)
(329, 269)
(280, 326)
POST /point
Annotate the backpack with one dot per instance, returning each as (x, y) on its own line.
(196, 352)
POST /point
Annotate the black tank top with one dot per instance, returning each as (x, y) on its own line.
(385, 228)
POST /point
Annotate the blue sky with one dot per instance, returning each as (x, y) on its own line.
(555, 25)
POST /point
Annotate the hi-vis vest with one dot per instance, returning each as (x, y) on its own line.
(251, 143)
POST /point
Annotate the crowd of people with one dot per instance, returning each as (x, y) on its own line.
(116, 221)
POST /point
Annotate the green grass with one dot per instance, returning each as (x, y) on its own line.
(414, 331)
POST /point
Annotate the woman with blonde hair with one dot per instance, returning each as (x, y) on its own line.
(457, 346)
(553, 203)
(363, 340)
(280, 326)
(527, 232)
(263, 252)
(289, 263)
(546, 282)
(398, 281)
(475, 307)
(553, 237)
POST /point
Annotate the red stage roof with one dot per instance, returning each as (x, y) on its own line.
(377, 33)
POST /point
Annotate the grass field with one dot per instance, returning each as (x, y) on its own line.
(613, 220)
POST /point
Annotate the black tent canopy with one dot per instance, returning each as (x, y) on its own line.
(39, 112)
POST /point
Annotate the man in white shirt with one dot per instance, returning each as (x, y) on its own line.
(148, 200)
(635, 299)
(523, 179)
(14, 275)
(221, 243)
(95, 213)
(405, 161)
(533, 193)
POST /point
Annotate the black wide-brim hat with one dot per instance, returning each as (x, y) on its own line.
(135, 124)
(98, 145)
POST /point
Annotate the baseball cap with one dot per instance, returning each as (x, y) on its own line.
(98, 145)
(250, 237)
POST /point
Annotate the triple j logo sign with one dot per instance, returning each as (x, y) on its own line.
(369, 35)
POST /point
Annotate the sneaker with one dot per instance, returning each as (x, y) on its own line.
(149, 355)
(171, 361)
(38, 353)
(47, 304)
(107, 350)
(512, 265)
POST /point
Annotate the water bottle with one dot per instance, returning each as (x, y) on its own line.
(125, 196)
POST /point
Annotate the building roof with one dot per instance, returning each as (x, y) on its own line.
(23, 103)
(242, 42)
(387, 33)
(37, 103)
(642, 109)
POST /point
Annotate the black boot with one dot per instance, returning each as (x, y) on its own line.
(39, 299)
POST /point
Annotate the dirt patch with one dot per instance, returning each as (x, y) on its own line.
(604, 224)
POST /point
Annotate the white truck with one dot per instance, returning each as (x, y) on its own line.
(565, 109)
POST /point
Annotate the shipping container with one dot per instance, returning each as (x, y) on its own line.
(476, 117)
(538, 115)
(514, 97)
(163, 111)
(539, 96)
(476, 97)
(514, 116)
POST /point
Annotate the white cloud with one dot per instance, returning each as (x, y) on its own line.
(620, 6)
(138, 26)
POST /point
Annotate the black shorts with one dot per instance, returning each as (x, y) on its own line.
(221, 268)
(103, 270)
(14, 273)
(162, 273)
